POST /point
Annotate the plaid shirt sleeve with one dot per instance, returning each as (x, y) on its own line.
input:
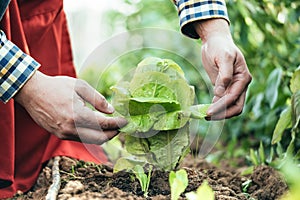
(194, 10)
(16, 68)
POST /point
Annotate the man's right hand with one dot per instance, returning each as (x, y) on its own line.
(58, 104)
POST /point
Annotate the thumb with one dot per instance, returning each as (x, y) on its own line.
(92, 96)
(224, 77)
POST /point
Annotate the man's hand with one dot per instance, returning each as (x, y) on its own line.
(58, 104)
(226, 68)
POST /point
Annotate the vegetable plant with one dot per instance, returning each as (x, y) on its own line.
(143, 178)
(137, 168)
(203, 192)
(178, 182)
(158, 103)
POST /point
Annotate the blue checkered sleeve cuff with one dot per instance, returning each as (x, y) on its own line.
(193, 10)
(16, 68)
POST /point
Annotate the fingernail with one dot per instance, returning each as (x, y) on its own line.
(210, 112)
(110, 108)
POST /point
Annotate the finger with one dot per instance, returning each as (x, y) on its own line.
(215, 99)
(233, 92)
(232, 111)
(91, 136)
(110, 123)
(209, 65)
(237, 108)
(85, 117)
(211, 107)
(225, 65)
(89, 94)
(223, 103)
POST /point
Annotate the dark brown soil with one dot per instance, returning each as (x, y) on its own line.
(85, 181)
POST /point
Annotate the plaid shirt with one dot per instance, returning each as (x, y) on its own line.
(194, 10)
(16, 68)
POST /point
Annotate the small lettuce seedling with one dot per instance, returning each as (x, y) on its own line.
(143, 178)
(178, 182)
(203, 192)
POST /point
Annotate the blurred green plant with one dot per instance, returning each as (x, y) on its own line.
(291, 172)
(288, 122)
(287, 125)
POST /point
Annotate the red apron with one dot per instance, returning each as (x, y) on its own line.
(39, 28)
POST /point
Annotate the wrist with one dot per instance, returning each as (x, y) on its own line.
(212, 27)
(28, 89)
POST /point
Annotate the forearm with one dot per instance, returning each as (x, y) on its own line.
(212, 27)
(16, 68)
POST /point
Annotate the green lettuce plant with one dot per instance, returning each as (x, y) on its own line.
(203, 192)
(158, 103)
(144, 179)
(178, 182)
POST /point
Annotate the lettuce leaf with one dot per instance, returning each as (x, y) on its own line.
(178, 182)
(163, 149)
(168, 147)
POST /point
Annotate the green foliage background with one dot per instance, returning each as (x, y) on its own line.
(267, 32)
